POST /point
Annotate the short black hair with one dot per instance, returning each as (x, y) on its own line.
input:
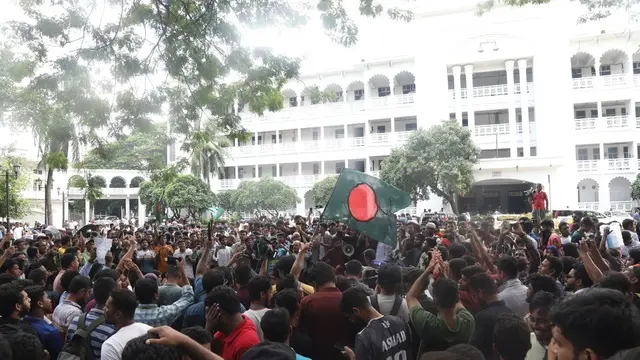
(390, 277)
(110, 273)
(242, 274)
(146, 290)
(198, 334)
(466, 351)
(65, 239)
(257, 286)
(287, 282)
(35, 293)
(275, 325)
(211, 279)
(582, 275)
(322, 273)
(67, 277)
(353, 267)
(456, 266)
(38, 276)
(25, 346)
(445, 292)
(102, 289)
(541, 282)
(547, 222)
(125, 301)
(600, 319)
(457, 251)
(511, 337)
(444, 252)
(66, 260)
(353, 298)
(509, 266)
(469, 259)
(6, 278)
(634, 254)
(288, 299)
(568, 263)
(542, 300)
(527, 226)
(555, 264)
(616, 281)
(283, 265)
(79, 283)
(483, 282)
(469, 271)
(138, 349)
(32, 251)
(10, 296)
(571, 249)
(225, 297)
(626, 223)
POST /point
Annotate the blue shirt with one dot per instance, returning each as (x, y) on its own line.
(98, 336)
(50, 337)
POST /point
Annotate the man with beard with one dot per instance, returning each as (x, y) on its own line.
(14, 305)
(553, 267)
(578, 280)
(79, 291)
(539, 322)
(383, 336)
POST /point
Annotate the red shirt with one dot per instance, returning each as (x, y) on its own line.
(321, 319)
(239, 340)
(538, 200)
(334, 257)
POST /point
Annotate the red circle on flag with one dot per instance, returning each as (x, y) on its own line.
(362, 203)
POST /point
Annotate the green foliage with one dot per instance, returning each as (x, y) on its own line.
(138, 151)
(264, 196)
(596, 9)
(57, 160)
(18, 206)
(91, 185)
(206, 146)
(438, 160)
(635, 188)
(321, 190)
(315, 96)
(189, 193)
(224, 199)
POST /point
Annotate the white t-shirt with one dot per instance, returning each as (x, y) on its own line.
(565, 240)
(256, 317)
(17, 233)
(112, 347)
(223, 256)
(145, 254)
(186, 255)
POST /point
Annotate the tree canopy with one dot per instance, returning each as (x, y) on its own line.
(595, 9)
(438, 160)
(321, 190)
(18, 206)
(190, 194)
(264, 196)
(635, 188)
(138, 151)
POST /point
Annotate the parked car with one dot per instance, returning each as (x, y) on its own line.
(106, 220)
(617, 215)
(607, 217)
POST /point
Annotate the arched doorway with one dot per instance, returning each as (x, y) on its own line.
(588, 191)
(504, 195)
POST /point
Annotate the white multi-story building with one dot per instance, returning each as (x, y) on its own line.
(547, 101)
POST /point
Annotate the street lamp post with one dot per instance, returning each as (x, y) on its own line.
(16, 170)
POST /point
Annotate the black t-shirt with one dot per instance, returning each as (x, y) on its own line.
(301, 343)
(384, 338)
(486, 319)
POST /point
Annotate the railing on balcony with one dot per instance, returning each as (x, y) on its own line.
(334, 143)
(492, 129)
(289, 180)
(379, 138)
(227, 183)
(356, 142)
(311, 145)
(587, 165)
(402, 136)
(267, 148)
(618, 164)
(586, 124)
(492, 90)
(617, 121)
(289, 146)
(638, 122)
(614, 80)
(529, 88)
(621, 205)
(309, 180)
(584, 82)
(588, 206)
(405, 99)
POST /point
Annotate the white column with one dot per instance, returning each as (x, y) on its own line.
(322, 168)
(255, 135)
(457, 90)
(367, 134)
(524, 107)
(604, 197)
(236, 172)
(299, 168)
(277, 169)
(87, 211)
(298, 100)
(65, 205)
(367, 90)
(322, 138)
(603, 162)
(393, 125)
(141, 213)
(345, 93)
(509, 66)
(628, 68)
(471, 117)
(277, 136)
(299, 135)
(367, 165)
(597, 67)
(235, 142)
(235, 106)
(127, 207)
(600, 124)
(257, 172)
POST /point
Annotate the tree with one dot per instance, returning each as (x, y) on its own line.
(596, 9)
(264, 196)
(635, 188)
(189, 193)
(206, 147)
(224, 199)
(138, 151)
(322, 190)
(18, 206)
(438, 160)
(152, 191)
(91, 185)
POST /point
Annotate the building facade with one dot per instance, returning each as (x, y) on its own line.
(547, 101)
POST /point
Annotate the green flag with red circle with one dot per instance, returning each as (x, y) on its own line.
(366, 204)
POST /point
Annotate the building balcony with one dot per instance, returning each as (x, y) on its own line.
(604, 81)
(607, 165)
(626, 206)
(293, 147)
(290, 180)
(298, 113)
(606, 122)
(595, 206)
(490, 91)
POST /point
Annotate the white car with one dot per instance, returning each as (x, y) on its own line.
(618, 216)
(106, 220)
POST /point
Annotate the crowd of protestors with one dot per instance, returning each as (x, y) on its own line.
(302, 289)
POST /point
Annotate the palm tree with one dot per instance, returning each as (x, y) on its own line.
(206, 148)
(91, 186)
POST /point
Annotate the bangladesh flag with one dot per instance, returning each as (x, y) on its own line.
(366, 204)
(216, 212)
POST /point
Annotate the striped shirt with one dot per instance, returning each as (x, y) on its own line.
(154, 315)
(64, 313)
(98, 336)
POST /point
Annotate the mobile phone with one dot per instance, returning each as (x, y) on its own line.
(171, 260)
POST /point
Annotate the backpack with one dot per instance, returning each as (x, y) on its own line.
(396, 304)
(79, 347)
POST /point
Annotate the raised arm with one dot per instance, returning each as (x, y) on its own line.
(201, 268)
